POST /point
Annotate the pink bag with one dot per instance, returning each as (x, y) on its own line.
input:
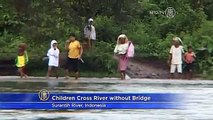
(130, 51)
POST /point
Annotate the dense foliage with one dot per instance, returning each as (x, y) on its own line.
(37, 22)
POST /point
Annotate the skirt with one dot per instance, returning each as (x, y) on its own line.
(123, 63)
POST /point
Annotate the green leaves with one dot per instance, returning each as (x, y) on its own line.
(101, 58)
(36, 22)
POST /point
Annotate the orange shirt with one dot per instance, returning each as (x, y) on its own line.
(190, 57)
(74, 49)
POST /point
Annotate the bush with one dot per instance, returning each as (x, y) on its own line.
(101, 59)
(106, 28)
(202, 42)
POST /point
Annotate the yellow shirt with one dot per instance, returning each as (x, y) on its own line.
(21, 61)
(74, 49)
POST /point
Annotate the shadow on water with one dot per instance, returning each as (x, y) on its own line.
(16, 86)
(58, 118)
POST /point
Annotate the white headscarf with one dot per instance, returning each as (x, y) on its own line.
(52, 42)
(90, 20)
(122, 36)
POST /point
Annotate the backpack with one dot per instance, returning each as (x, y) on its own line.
(130, 51)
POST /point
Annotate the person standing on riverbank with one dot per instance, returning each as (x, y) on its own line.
(175, 57)
(189, 58)
(75, 52)
(53, 55)
(121, 50)
(22, 59)
(90, 34)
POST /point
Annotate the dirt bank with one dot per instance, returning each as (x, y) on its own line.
(148, 68)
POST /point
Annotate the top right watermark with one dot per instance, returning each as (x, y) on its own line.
(170, 12)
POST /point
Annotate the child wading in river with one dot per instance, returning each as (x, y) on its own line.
(125, 50)
(75, 51)
(189, 58)
(53, 54)
(22, 59)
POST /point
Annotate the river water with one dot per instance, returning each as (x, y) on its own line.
(198, 106)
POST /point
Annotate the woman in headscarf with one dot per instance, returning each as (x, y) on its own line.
(121, 50)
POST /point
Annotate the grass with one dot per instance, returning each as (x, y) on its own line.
(208, 76)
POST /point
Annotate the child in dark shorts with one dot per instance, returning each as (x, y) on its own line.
(72, 65)
(75, 52)
(189, 59)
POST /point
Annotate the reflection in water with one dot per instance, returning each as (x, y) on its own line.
(199, 103)
(52, 84)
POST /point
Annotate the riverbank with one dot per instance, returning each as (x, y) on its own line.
(151, 68)
(104, 80)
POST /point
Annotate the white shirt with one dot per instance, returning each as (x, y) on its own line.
(53, 57)
(176, 54)
(91, 34)
(121, 48)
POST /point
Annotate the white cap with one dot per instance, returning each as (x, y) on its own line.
(90, 20)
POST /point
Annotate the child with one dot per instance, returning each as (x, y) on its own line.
(121, 49)
(175, 57)
(189, 58)
(75, 52)
(22, 59)
(90, 34)
(53, 54)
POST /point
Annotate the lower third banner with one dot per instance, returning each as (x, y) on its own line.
(48, 100)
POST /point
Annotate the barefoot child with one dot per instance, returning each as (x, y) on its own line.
(53, 54)
(22, 59)
(175, 57)
(189, 58)
(75, 52)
